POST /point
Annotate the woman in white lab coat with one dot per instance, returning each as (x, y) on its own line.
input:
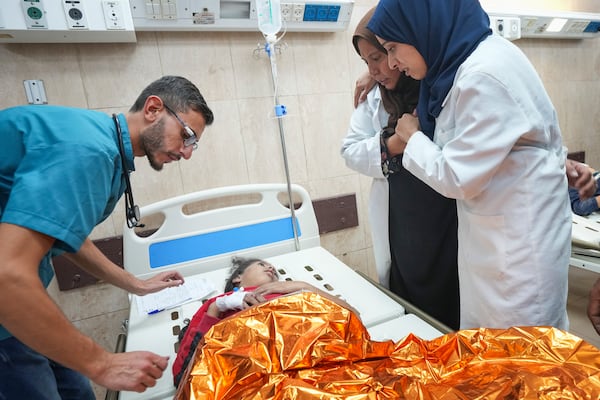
(417, 256)
(487, 135)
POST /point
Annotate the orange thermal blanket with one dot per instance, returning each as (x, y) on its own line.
(304, 346)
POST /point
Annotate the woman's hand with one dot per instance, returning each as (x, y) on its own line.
(395, 145)
(364, 84)
(407, 126)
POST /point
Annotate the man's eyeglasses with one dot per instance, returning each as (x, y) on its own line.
(189, 136)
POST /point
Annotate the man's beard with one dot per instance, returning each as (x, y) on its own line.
(152, 139)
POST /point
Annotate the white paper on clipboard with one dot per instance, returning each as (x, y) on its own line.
(194, 288)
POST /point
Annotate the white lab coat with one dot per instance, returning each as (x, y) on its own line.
(362, 153)
(497, 149)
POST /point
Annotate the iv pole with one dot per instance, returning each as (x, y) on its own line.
(280, 111)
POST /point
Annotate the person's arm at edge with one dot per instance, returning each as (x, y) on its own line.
(593, 310)
(28, 312)
(91, 259)
(583, 207)
(580, 177)
(363, 86)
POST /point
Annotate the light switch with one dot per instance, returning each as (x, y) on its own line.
(149, 8)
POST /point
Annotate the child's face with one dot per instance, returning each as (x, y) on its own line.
(258, 273)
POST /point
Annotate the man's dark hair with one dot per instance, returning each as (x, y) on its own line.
(177, 93)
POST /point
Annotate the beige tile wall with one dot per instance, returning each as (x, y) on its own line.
(316, 79)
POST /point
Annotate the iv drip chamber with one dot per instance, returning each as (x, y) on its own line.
(269, 16)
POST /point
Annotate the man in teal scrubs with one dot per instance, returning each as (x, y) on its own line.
(61, 174)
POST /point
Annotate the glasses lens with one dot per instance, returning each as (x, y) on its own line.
(190, 137)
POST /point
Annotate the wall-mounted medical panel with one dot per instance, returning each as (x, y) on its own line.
(54, 21)
(515, 24)
(238, 15)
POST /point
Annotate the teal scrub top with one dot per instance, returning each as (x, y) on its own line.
(60, 173)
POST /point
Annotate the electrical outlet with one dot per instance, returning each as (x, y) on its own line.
(297, 12)
(35, 15)
(75, 14)
(286, 11)
(507, 27)
(513, 28)
(113, 14)
(35, 91)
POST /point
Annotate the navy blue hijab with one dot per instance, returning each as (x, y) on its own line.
(444, 32)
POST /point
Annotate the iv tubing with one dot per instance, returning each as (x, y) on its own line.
(271, 40)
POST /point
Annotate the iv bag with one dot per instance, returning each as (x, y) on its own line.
(269, 16)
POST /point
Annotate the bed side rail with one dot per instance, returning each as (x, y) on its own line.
(193, 235)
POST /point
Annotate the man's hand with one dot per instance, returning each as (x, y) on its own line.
(159, 282)
(580, 177)
(134, 371)
(364, 84)
(593, 310)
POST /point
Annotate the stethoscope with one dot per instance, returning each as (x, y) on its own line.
(132, 211)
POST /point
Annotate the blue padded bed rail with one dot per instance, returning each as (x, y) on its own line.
(225, 241)
(201, 231)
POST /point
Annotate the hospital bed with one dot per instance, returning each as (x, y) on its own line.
(198, 233)
(585, 242)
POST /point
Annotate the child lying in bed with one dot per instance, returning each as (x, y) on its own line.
(252, 282)
(304, 346)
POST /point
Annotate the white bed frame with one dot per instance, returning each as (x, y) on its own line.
(585, 242)
(202, 244)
